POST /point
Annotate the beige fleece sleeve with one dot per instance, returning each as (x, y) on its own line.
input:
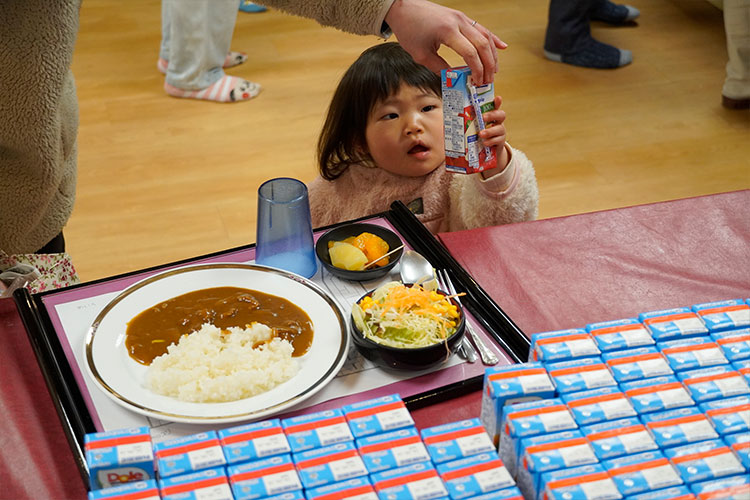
(39, 125)
(361, 17)
(478, 203)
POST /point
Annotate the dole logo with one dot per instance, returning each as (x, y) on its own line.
(121, 475)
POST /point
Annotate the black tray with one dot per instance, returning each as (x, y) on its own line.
(74, 414)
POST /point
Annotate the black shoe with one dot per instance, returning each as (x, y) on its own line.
(594, 54)
(730, 103)
(613, 13)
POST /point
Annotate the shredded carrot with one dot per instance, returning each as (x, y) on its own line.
(419, 301)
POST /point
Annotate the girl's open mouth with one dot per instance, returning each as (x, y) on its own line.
(419, 148)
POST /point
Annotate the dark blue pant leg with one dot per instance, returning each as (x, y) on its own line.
(568, 25)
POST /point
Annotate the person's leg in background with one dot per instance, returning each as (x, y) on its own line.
(568, 38)
(612, 13)
(198, 34)
(232, 58)
(736, 91)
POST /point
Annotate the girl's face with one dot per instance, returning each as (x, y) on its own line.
(405, 132)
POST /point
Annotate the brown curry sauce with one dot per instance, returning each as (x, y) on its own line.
(150, 333)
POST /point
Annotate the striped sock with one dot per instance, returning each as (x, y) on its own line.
(233, 59)
(227, 89)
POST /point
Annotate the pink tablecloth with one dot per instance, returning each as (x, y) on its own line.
(566, 272)
(35, 460)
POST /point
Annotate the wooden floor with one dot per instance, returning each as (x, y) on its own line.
(162, 179)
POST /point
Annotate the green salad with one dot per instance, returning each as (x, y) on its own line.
(406, 316)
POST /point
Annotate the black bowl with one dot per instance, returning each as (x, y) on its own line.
(412, 359)
(354, 229)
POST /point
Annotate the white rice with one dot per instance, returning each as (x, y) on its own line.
(211, 366)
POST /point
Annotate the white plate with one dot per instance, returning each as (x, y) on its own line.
(123, 379)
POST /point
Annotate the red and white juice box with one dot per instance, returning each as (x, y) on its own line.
(463, 105)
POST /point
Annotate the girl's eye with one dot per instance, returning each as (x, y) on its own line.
(428, 108)
(390, 116)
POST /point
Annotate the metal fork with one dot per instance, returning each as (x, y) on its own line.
(488, 357)
(466, 348)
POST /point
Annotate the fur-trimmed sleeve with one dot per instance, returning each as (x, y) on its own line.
(474, 203)
(361, 17)
(325, 206)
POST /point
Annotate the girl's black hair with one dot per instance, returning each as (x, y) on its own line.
(376, 75)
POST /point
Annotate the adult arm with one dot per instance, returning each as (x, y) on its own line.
(421, 27)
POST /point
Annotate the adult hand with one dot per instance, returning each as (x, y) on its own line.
(422, 27)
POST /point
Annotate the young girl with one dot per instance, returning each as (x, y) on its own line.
(383, 141)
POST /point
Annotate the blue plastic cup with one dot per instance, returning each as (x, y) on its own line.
(284, 237)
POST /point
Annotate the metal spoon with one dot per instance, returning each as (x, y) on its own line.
(415, 268)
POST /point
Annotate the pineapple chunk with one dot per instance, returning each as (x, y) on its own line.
(347, 256)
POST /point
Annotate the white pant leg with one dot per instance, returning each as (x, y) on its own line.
(166, 25)
(737, 27)
(200, 32)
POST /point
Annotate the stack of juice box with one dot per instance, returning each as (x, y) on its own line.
(654, 407)
(369, 450)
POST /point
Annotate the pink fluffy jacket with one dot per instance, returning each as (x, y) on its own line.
(443, 201)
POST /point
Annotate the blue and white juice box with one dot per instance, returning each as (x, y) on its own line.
(740, 445)
(716, 382)
(704, 461)
(512, 493)
(599, 405)
(359, 488)
(678, 427)
(728, 415)
(207, 483)
(562, 345)
(511, 384)
(315, 430)
(692, 353)
(189, 454)
(474, 475)
(138, 490)
(734, 343)
(391, 450)
(681, 492)
(743, 367)
(119, 456)
(531, 419)
(636, 364)
(253, 441)
(377, 415)
(264, 478)
(724, 315)
(672, 324)
(727, 488)
(539, 454)
(616, 438)
(642, 472)
(656, 394)
(413, 482)
(620, 334)
(456, 440)
(329, 464)
(587, 482)
(580, 375)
